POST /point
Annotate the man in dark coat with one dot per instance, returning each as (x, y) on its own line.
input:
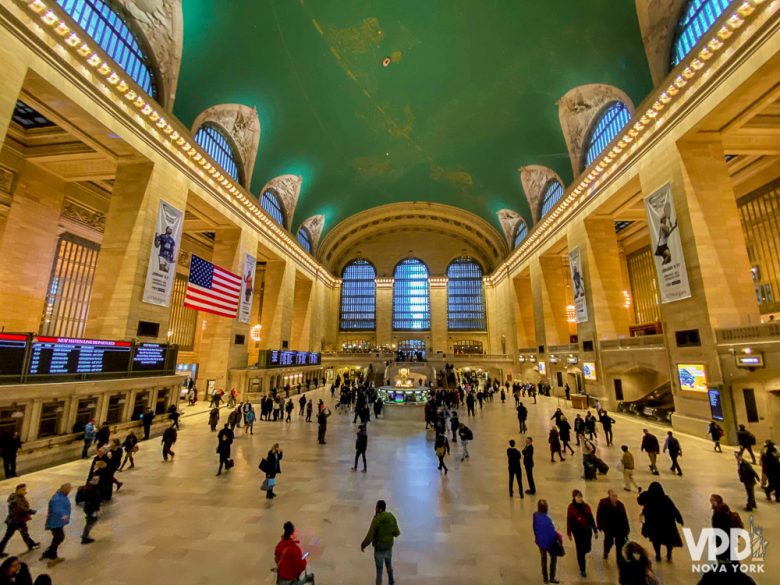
(612, 520)
(322, 425)
(513, 457)
(652, 448)
(528, 463)
(749, 478)
(225, 440)
(361, 444)
(148, 417)
(169, 440)
(522, 416)
(9, 447)
(103, 435)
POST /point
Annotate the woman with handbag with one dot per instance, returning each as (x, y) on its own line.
(580, 525)
(442, 448)
(271, 468)
(548, 540)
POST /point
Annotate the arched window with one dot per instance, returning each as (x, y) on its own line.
(607, 126)
(521, 233)
(109, 30)
(219, 146)
(553, 191)
(411, 297)
(304, 239)
(465, 301)
(697, 18)
(358, 296)
(273, 206)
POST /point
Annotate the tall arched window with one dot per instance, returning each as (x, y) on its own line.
(219, 146)
(411, 296)
(358, 296)
(521, 233)
(465, 300)
(304, 239)
(606, 127)
(273, 206)
(109, 30)
(697, 18)
(553, 191)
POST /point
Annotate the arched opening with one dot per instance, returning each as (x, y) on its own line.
(358, 296)
(411, 296)
(465, 297)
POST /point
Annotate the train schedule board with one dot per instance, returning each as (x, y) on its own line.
(287, 358)
(149, 357)
(301, 358)
(314, 359)
(13, 347)
(53, 356)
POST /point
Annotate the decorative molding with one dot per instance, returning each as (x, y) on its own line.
(658, 24)
(577, 110)
(82, 214)
(288, 188)
(162, 24)
(184, 259)
(314, 225)
(242, 125)
(534, 179)
(509, 220)
(7, 177)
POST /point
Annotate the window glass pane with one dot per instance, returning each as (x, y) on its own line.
(358, 296)
(521, 232)
(606, 128)
(304, 239)
(108, 30)
(465, 301)
(553, 192)
(270, 202)
(698, 18)
(214, 140)
(411, 299)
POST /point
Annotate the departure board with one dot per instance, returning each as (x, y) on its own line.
(51, 356)
(287, 358)
(273, 357)
(301, 358)
(13, 347)
(314, 359)
(149, 356)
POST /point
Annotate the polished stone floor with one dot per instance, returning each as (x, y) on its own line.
(176, 523)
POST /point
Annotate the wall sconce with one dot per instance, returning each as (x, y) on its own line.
(255, 331)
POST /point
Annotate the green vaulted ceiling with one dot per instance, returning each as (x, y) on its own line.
(469, 97)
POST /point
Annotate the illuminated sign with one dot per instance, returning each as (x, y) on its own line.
(692, 377)
(149, 356)
(13, 347)
(589, 371)
(750, 360)
(542, 367)
(572, 360)
(554, 359)
(716, 409)
(65, 355)
(521, 359)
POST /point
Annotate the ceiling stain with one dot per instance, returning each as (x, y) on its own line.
(358, 39)
(375, 166)
(460, 179)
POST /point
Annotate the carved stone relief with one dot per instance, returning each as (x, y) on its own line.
(658, 23)
(534, 179)
(243, 126)
(84, 215)
(162, 25)
(314, 225)
(288, 188)
(509, 220)
(576, 111)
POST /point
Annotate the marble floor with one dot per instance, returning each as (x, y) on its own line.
(176, 523)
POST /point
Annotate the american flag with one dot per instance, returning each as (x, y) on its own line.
(212, 289)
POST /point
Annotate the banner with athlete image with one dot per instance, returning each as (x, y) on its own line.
(161, 271)
(667, 246)
(578, 286)
(247, 288)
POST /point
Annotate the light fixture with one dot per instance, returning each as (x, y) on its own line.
(571, 314)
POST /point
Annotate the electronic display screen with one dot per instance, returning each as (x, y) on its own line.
(589, 371)
(149, 356)
(692, 377)
(716, 408)
(64, 355)
(12, 349)
(301, 358)
(273, 357)
(314, 359)
(287, 358)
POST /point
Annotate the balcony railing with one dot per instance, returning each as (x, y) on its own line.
(645, 341)
(749, 333)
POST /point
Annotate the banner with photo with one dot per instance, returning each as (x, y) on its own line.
(247, 288)
(161, 271)
(578, 286)
(667, 246)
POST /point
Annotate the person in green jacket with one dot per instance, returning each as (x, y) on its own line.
(381, 534)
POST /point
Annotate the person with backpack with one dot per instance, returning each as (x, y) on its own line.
(19, 514)
(442, 448)
(749, 478)
(675, 451)
(466, 436)
(746, 440)
(715, 433)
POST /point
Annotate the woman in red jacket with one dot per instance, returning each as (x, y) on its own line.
(290, 562)
(581, 525)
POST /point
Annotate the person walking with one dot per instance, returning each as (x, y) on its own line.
(130, 447)
(148, 419)
(361, 444)
(612, 521)
(301, 404)
(381, 535)
(652, 448)
(636, 568)
(213, 418)
(454, 426)
(514, 457)
(470, 404)
(9, 448)
(289, 407)
(716, 433)
(224, 442)
(548, 540)
(555, 445)
(580, 526)
(309, 409)
(442, 448)
(57, 518)
(606, 424)
(89, 437)
(749, 478)
(522, 417)
(661, 517)
(528, 464)
(249, 421)
(579, 429)
(89, 495)
(746, 440)
(169, 440)
(322, 425)
(466, 436)
(675, 451)
(627, 467)
(290, 560)
(564, 431)
(19, 514)
(273, 468)
(173, 415)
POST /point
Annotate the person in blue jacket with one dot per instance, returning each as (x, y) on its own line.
(89, 437)
(57, 518)
(547, 539)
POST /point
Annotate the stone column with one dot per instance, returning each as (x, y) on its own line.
(116, 306)
(384, 311)
(13, 62)
(276, 313)
(548, 287)
(439, 325)
(34, 417)
(525, 326)
(301, 313)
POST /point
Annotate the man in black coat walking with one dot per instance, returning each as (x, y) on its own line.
(522, 416)
(513, 457)
(147, 419)
(361, 444)
(612, 520)
(9, 447)
(528, 463)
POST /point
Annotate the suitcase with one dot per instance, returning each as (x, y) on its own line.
(602, 467)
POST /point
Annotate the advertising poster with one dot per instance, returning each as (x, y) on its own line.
(578, 286)
(667, 246)
(589, 371)
(692, 377)
(161, 271)
(247, 288)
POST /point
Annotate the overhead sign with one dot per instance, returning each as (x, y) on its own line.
(578, 286)
(161, 270)
(667, 246)
(247, 288)
(63, 355)
(750, 360)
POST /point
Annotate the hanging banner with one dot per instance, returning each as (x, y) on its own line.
(161, 271)
(578, 286)
(667, 246)
(247, 288)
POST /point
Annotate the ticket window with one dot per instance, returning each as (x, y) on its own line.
(11, 418)
(51, 417)
(139, 407)
(84, 413)
(115, 405)
(162, 401)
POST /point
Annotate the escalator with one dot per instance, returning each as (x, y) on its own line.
(657, 405)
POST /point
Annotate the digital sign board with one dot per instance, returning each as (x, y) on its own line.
(149, 357)
(589, 371)
(716, 408)
(692, 377)
(64, 355)
(13, 347)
